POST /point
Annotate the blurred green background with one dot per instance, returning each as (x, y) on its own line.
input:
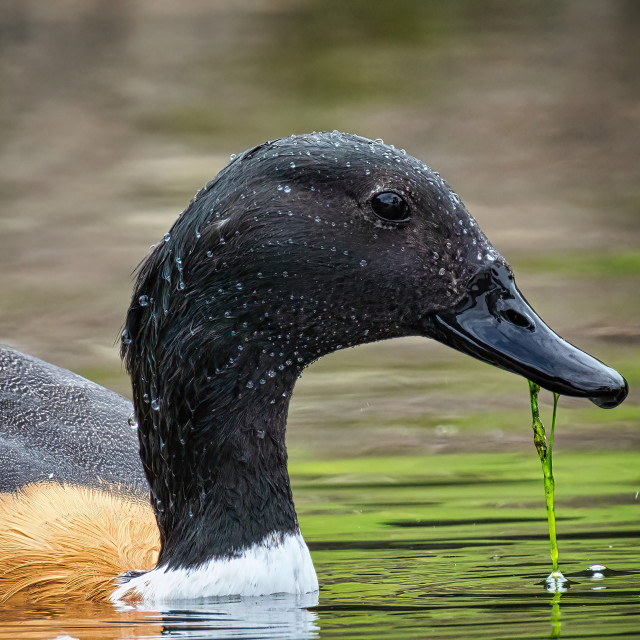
(114, 112)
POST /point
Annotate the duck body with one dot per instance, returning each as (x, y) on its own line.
(299, 247)
(58, 426)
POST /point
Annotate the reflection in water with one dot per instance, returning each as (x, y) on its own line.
(278, 616)
(555, 615)
(557, 583)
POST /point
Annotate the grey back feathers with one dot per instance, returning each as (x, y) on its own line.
(58, 426)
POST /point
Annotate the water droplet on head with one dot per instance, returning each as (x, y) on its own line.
(133, 423)
(363, 263)
(287, 189)
(249, 385)
(167, 237)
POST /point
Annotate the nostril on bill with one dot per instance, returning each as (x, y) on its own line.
(517, 319)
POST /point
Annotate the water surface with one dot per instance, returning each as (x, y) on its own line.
(450, 546)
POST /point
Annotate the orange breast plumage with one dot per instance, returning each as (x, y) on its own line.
(61, 542)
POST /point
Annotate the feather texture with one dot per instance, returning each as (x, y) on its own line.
(62, 542)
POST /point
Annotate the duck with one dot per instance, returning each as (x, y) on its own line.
(299, 247)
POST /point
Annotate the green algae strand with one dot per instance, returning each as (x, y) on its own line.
(545, 455)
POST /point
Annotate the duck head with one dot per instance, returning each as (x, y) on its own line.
(299, 247)
(313, 243)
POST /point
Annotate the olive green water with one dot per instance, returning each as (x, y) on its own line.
(454, 546)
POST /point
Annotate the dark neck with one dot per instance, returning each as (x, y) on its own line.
(213, 447)
(213, 366)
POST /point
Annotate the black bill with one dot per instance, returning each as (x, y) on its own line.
(494, 323)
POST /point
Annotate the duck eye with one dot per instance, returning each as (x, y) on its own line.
(390, 206)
